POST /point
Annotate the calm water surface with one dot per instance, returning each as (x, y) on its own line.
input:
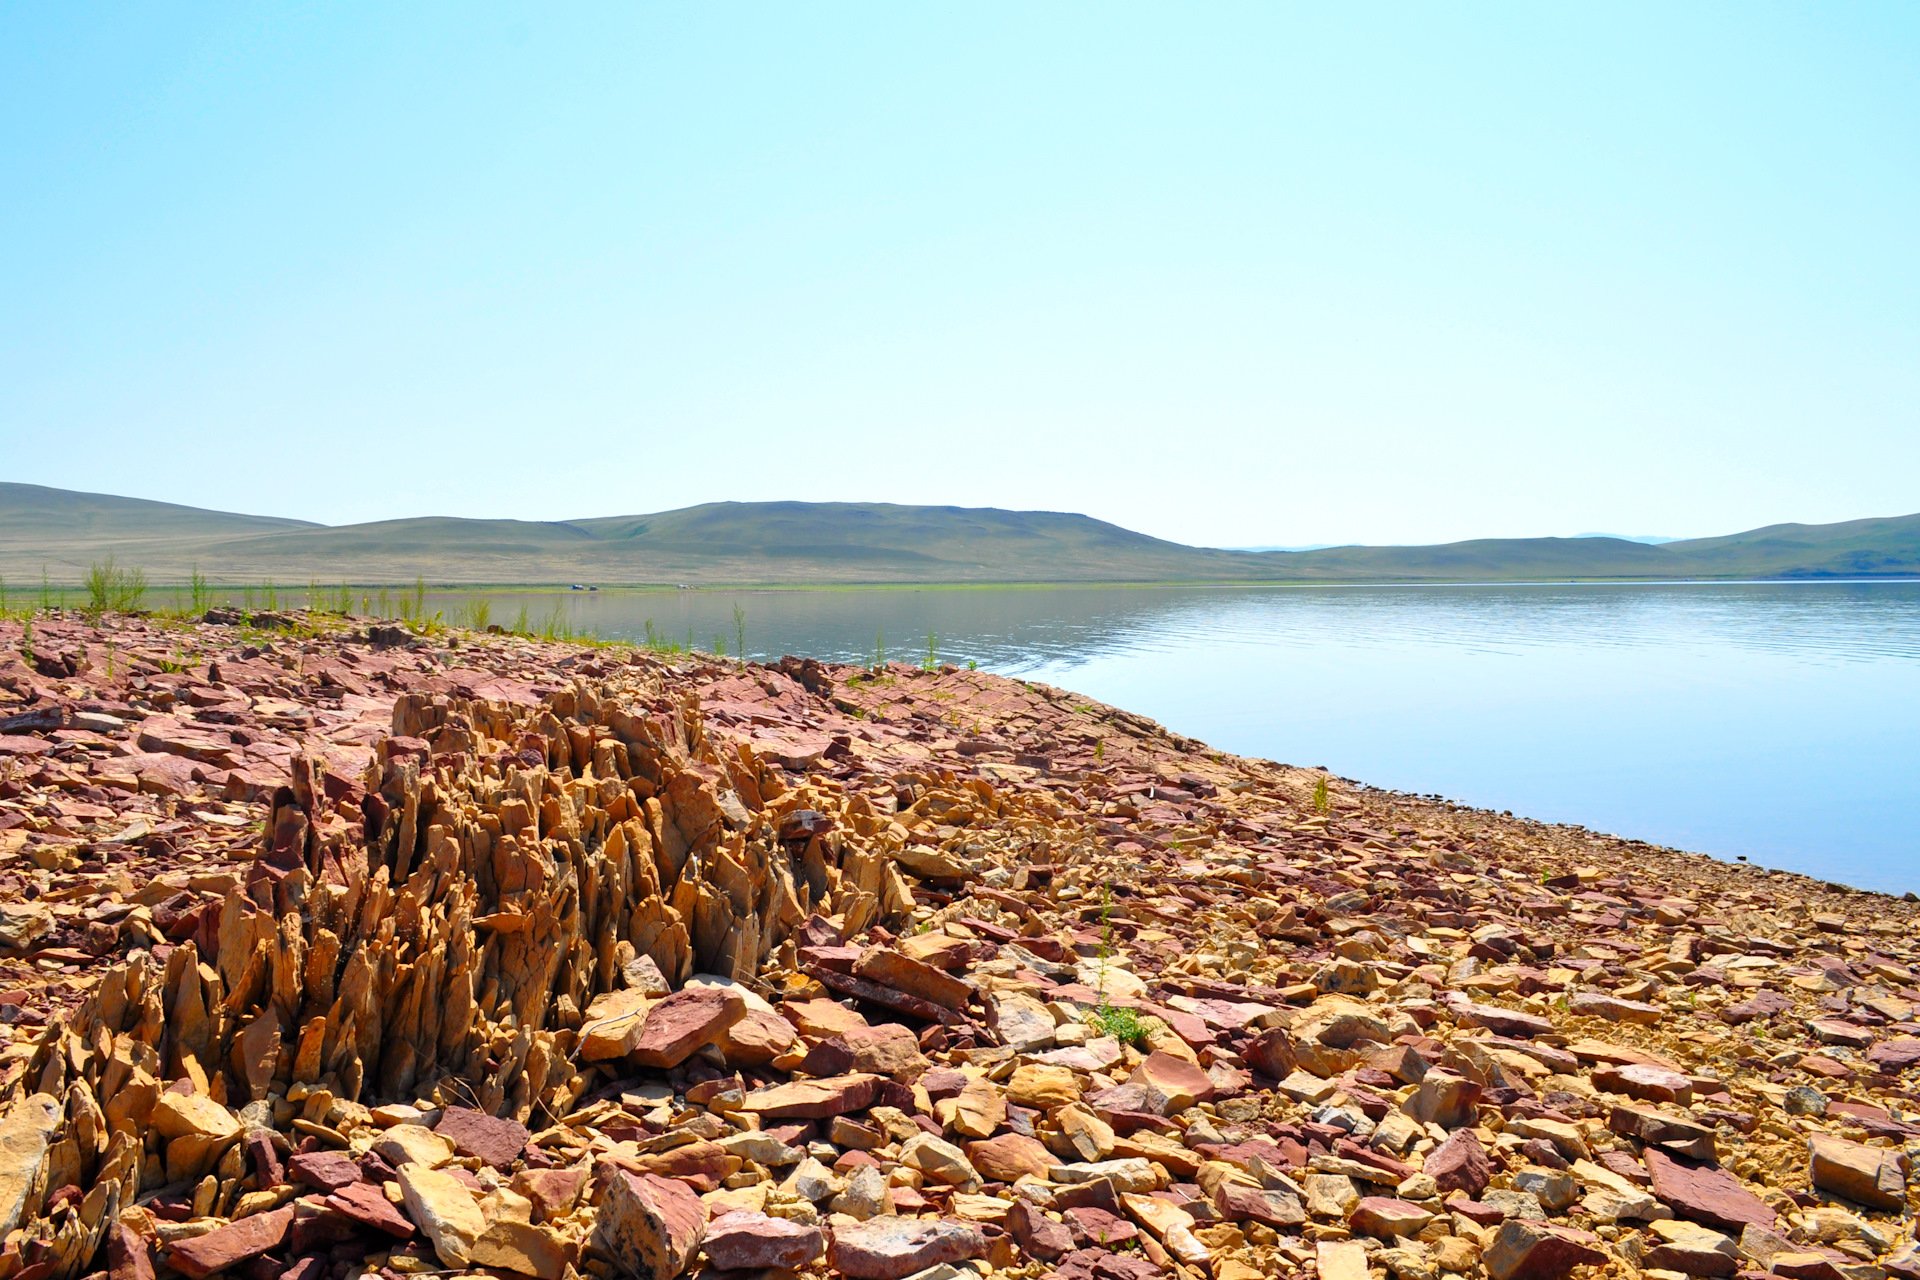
(1776, 721)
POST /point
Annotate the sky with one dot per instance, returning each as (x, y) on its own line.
(1232, 275)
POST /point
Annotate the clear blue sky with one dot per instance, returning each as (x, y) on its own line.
(1232, 275)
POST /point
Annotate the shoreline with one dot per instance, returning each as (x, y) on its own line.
(69, 591)
(1634, 1031)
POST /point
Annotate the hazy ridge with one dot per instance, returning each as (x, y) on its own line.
(60, 532)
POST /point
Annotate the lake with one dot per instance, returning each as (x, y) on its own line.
(1775, 721)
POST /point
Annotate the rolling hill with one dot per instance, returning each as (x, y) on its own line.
(62, 532)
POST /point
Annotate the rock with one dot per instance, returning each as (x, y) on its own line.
(894, 1248)
(684, 1023)
(1444, 1099)
(1129, 1174)
(367, 1205)
(180, 1115)
(757, 1039)
(753, 1241)
(1592, 1004)
(1649, 1083)
(1680, 1135)
(889, 1050)
(1171, 1225)
(891, 969)
(22, 924)
(648, 1226)
(444, 1210)
(821, 1019)
(939, 1161)
(1235, 1202)
(25, 1134)
(128, 1257)
(1870, 1176)
(1386, 1217)
(1540, 1251)
(1554, 1189)
(1895, 1055)
(523, 1249)
(866, 1195)
(1340, 1260)
(1502, 1022)
(1037, 1234)
(231, 1245)
(1043, 1088)
(1460, 1164)
(979, 1110)
(813, 1099)
(491, 1139)
(551, 1192)
(1172, 1084)
(612, 1026)
(1007, 1157)
(1705, 1194)
(324, 1170)
(1022, 1022)
(1330, 1195)
(1690, 1249)
(415, 1144)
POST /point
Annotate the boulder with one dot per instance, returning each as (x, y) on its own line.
(684, 1023)
(25, 1133)
(650, 1227)
(492, 1140)
(1460, 1164)
(1540, 1251)
(1870, 1176)
(1705, 1194)
(894, 1248)
(753, 1241)
(444, 1210)
(231, 1245)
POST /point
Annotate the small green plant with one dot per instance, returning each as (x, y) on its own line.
(1322, 800)
(555, 625)
(26, 638)
(112, 653)
(202, 594)
(48, 600)
(270, 594)
(1099, 748)
(719, 645)
(475, 615)
(1123, 1025)
(520, 625)
(739, 631)
(972, 665)
(879, 648)
(111, 587)
(933, 653)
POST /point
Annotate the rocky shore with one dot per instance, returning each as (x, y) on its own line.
(330, 951)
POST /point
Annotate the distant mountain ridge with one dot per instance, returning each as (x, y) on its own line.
(61, 532)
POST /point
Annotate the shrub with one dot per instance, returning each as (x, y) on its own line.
(111, 587)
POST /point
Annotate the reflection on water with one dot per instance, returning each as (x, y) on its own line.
(1775, 720)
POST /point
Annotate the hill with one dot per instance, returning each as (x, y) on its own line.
(61, 532)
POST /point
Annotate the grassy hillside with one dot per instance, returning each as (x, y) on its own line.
(834, 542)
